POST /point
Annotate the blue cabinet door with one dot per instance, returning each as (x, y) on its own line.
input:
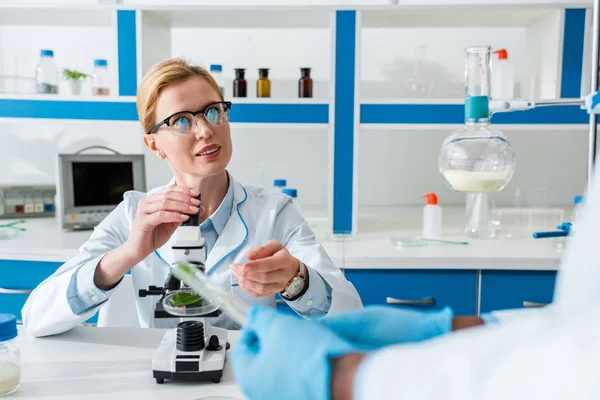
(17, 276)
(427, 289)
(502, 290)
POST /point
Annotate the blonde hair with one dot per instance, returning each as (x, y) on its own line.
(161, 75)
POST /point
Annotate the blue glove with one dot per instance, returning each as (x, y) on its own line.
(379, 326)
(281, 356)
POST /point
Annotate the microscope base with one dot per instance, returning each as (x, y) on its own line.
(170, 363)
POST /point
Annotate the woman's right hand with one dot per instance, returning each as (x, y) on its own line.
(158, 216)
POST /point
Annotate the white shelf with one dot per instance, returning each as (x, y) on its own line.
(424, 100)
(56, 15)
(446, 16)
(280, 100)
(238, 17)
(61, 97)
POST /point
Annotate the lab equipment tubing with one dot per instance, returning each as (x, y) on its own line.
(305, 84)
(240, 86)
(100, 79)
(263, 84)
(46, 74)
(10, 361)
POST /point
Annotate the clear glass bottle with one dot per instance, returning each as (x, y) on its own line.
(100, 80)
(477, 158)
(46, 74)
(240, 86)
(10, 360)
(263, 84)
(418, 85)
(216, 70)
(305, 84)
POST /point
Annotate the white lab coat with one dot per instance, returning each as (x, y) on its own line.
(549, 353)
(254, 220)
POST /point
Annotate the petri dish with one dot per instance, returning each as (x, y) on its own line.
(8, 233)
(409, 241)
(194, 310)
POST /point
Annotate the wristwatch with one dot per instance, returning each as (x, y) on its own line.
(297, 286)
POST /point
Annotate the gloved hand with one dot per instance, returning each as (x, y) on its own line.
(280, 356)
(378, 326)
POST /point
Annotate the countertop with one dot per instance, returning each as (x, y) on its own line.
(99, 363)
(371, 248)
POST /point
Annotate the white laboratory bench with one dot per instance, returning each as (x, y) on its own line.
(99, 363)
(372, 248)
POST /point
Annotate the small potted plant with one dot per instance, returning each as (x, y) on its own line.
(74, 78)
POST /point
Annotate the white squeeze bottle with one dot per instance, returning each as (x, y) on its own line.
(432, 217)
(503, 76)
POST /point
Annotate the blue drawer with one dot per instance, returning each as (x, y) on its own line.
(25, 274)
(428, 289)
(502, 290)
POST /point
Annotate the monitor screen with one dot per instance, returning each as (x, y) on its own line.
(101, 183)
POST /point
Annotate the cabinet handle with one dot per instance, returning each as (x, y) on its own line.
(429, 300)
(533, 304)
(15, 291)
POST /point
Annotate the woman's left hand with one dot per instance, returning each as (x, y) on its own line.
(269, 270)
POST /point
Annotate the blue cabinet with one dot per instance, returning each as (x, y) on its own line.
(427, 289)
(501, 290)
(17, 277)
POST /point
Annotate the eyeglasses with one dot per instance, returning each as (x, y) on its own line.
(184, 122)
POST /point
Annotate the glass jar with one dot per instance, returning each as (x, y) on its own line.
(240, 85)
(100, 81)
(10, 360)
(263, 84)
(279, 185)
(305, 84)
(293, 193)
(46, 74)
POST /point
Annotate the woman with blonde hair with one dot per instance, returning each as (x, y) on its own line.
(257, 243)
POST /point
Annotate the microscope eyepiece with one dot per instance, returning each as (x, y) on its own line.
(193, 220)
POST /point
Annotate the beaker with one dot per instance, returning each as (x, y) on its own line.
(480, 225)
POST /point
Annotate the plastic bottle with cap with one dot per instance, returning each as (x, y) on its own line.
(503, 76)
(46, 74)
(216, 70)
(100, 79)
(10, 360)
(279, 185)
(432, 217)
(293, 193)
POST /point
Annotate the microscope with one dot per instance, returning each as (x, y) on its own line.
(194, 351)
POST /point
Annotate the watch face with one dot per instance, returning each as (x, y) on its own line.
(295, 287)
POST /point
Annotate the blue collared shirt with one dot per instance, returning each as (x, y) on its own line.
(83, 295)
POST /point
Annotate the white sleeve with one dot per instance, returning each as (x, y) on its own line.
(545, 356)
(69, 297)
(331, 287)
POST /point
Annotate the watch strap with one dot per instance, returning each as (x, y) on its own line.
(302, 274)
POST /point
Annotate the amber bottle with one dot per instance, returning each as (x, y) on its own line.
(305, 84)
(263, 84)
(239, 84)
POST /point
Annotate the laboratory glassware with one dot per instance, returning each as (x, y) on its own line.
(46, 74)
(305, 84)
(100, 80)
(477, 158)
(216, 70)
(263, 84)
(418, 85)
(10, 360)
(240, 86)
